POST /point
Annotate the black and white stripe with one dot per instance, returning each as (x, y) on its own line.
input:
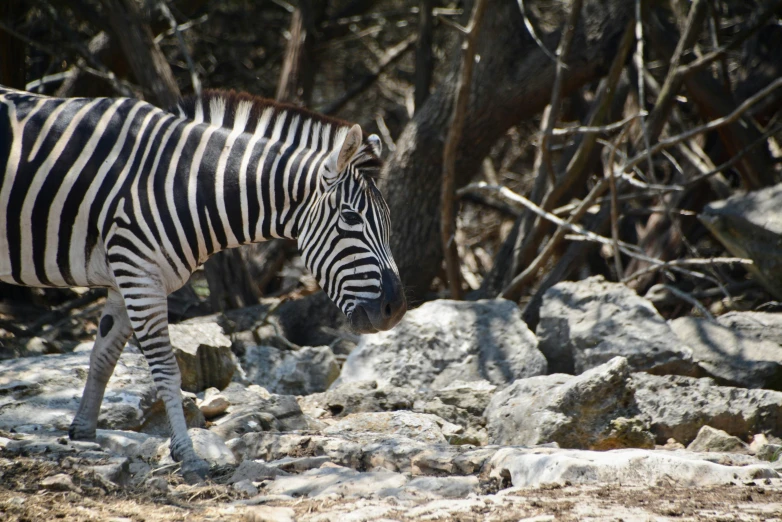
(117, 193)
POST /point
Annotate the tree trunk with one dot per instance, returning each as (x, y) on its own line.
(512, 81)
(147, 62)
(12, 50)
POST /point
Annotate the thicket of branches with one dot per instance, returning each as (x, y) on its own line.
(528, 141)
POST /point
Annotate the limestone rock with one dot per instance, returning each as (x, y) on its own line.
(59, 482)
(586, 323)
(628, 467)
(357, 397)
(750, 226)
(204, 355)
(730, 357)
(254, 471)
(709, 439)
(679, 406)
(366, 451)
(342, 481)
(301, 372)
(207, 445)
(595, 410)
(43, 393)
(128, 443)
(417, 426)
(760, 326)
(253, 408)
(444, 341)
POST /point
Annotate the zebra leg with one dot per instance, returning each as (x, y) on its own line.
(149, 319)
(113, 332)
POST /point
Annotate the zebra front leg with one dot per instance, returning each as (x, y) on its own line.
(149, 319)
(113, 332)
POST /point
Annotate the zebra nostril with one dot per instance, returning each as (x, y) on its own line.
(387, 310)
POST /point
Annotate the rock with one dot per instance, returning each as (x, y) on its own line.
(128, 443)
(336, 480)
(729, 357)
(439, 487)
(214, 403)
(157, 484)
(246, 487)
(269, 514)
(299, 464)
(43, 393)
(207, 445)
(59, 482)
(156, 419)
(461, 403)
(116, 470)
(770, 452)
(301, 372)
(709, 439)
(750, 226)
(595, 410)
(444, 341)
(254, 471)
(417, 426)
(204, 355)
(356, 397)
(586, 323)
(760, 326)
(253, 409)
(471, 396)
(628, 467)
(366, 451)
(679, 406)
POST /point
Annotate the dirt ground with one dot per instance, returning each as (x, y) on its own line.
(22, 498)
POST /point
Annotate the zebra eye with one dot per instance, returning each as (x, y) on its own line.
(351, 218)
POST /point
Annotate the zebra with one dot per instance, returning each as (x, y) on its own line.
(120, 194)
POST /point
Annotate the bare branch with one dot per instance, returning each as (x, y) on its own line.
(534, 34)
(714, 124)
(163, 7)
(597, 129)
(447, 214)
(551, 114)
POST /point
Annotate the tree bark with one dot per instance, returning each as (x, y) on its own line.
(512, 81)
(12, 50)
(147, 62)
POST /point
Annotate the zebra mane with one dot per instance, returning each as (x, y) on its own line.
(230, 103)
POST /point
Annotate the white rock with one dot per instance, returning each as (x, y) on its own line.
(445, 341)
(594, 410)
(584, 324)
(417, 426)
(709, 439)
(207, 445)
(301, 372)
(44, 392)
(679, 406)
(728, 356)
(336, 480)
(629, 467)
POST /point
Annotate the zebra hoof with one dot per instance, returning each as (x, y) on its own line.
(194, 471)
(80, 433)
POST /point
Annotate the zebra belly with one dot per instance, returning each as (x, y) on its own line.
(94, 271)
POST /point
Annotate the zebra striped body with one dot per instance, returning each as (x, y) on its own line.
(117, 193)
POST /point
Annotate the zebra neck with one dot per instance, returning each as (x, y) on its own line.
(255, 188)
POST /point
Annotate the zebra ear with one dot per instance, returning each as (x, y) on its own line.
(376, 145)
(349, 147)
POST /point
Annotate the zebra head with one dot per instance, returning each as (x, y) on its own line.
(344, 240)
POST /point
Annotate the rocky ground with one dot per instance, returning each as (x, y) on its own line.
(606, 412)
